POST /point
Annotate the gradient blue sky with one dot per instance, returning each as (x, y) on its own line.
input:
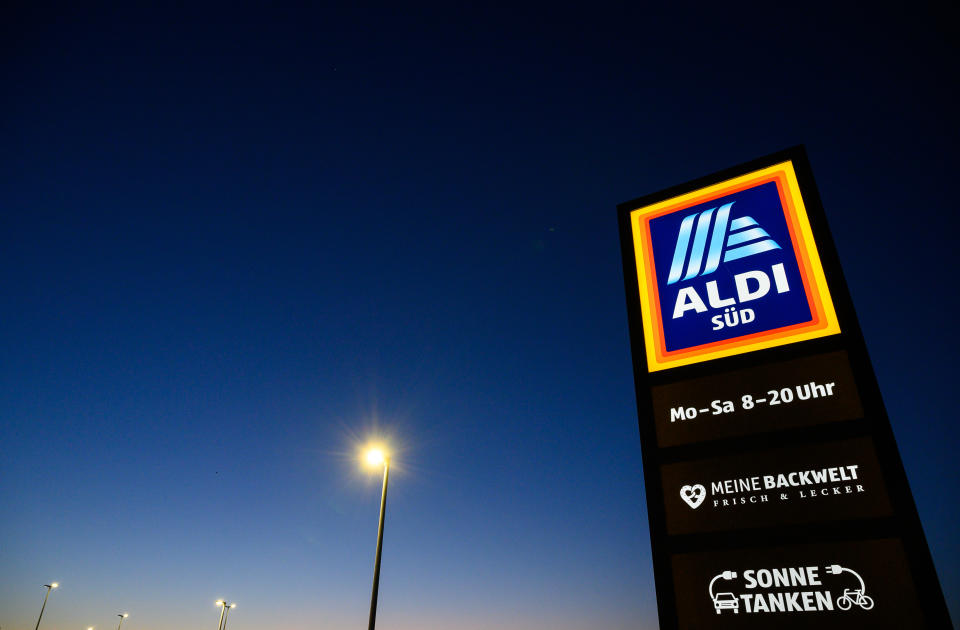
(234, 242)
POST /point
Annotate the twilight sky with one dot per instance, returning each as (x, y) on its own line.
(236, 242)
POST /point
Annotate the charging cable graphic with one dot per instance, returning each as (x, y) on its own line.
(723, 601)
(851, 597)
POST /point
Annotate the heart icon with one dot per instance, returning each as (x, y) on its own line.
(693, 495)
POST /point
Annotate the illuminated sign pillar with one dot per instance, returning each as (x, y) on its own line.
(774, 486)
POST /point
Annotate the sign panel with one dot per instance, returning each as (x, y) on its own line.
(774, 489)
(801, 392)
(820, 482)
(824, 586)
(729, 268)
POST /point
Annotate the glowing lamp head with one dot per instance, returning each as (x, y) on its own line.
(375, 457)
(125, 615)
(233, 605)
(219, 602)
(54, 585)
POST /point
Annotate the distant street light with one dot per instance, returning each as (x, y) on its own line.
(376, 457)
(50, 587)
(122, 617)
(224, 606)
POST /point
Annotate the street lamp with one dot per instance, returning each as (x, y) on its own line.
(224, 607)
(376, 457)
(122, 617)
(50, 587)
(225, 613)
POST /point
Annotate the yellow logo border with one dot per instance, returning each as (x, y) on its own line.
(824, 317)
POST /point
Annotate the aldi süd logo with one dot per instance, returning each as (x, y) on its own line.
(728, 269)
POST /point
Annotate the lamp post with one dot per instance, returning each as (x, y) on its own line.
(50, 587)
(226, 613)
(376, 457)
(223, 609)
(122, 617)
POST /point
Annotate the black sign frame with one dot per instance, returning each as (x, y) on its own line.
(904, 524)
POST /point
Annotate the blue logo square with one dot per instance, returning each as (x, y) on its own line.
(727, 269)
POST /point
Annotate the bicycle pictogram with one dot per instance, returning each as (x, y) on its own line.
(851, 596)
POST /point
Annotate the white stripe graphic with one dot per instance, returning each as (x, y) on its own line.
(743, 236)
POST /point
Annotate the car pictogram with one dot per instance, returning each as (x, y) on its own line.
(726, 601)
